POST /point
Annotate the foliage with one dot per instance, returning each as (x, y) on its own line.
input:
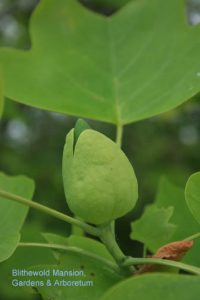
(154, 228)
(1, 97)
(155, 287)
(125, 55)
(12, 215)
(117, 69)
(192, 193)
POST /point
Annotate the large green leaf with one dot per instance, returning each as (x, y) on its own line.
(142, 61)
(12, 215)
(156, 287)
(192, 194)
(153, 228)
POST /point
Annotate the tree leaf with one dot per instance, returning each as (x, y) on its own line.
(12, 214)
(172, 251)
(139, 62)
(109, 3)
(171, 195)
(147, 228)
(192, 194)
(8, 244)
(94, 271)
(153, 227)
(24, 258)
(156, 287)
(1, 97)
(82, 242)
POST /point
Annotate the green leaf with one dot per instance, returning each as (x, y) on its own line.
(153, 227)
(1, 97)
(157, 216)
(156, 287)
(171, 195)
(142, 61)
(8, 244)
(23, 258)
(109, 3)
(192, 194)
(93, 271)
(12, 215)
(82, 242)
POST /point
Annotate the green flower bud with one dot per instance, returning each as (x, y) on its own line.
(99, 181)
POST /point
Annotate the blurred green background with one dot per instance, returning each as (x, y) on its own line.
(31, 143)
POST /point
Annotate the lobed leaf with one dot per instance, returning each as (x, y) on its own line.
(170, 194)
(156, 218)
(153, 227)
(142, 61)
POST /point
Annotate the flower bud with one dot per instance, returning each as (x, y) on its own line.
(99, 181)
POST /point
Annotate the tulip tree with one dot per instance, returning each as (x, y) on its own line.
(139, 62)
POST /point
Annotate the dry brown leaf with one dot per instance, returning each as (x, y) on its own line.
(172, 251)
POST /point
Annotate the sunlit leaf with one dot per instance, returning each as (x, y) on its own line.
(139, 62)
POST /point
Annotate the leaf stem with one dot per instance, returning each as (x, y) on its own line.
(107, 236)
(193, 237)
(136, 261)
(54, 213)
(73, 249)
(119, 135)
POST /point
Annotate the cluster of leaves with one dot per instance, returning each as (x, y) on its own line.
(117, 69)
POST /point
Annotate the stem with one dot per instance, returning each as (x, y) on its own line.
(193, 237)
(136, 261)
(88, 228)
(78, 250)
(119, 135)
(107, 236)
(75, 230)
(144, 250)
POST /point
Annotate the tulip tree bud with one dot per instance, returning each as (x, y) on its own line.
(99, 181)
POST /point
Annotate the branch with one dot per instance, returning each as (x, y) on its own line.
(137, 261)
(54, 213)
(78, 250)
